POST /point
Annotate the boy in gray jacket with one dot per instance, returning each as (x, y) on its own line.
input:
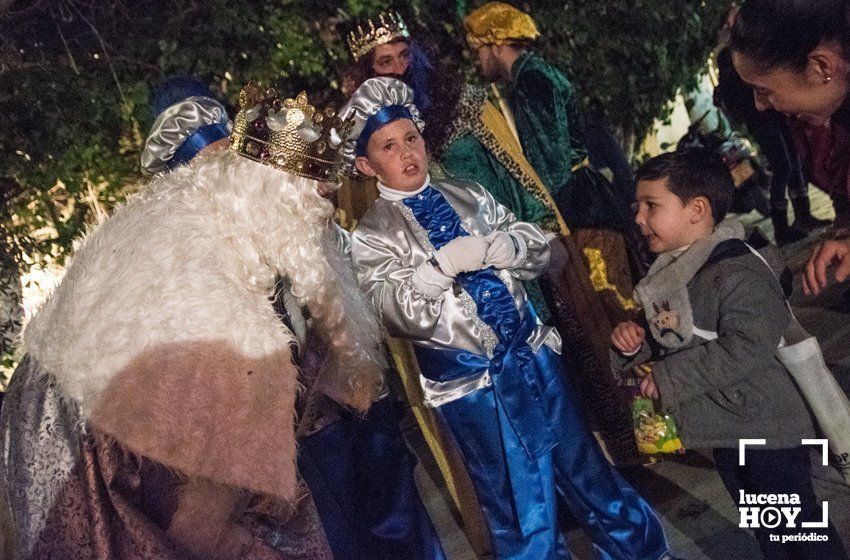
(716, 314)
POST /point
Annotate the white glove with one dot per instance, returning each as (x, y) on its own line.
(431, 281)
(462, 254)
(504, 250)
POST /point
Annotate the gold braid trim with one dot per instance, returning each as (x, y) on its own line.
(482, 119)
(479, 117)
(511, 156)
(599, 277)
(507, 148)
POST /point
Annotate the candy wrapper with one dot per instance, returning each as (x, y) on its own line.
(654, 432)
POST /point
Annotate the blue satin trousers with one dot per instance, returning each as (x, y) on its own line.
(360, 473)
(519, 494)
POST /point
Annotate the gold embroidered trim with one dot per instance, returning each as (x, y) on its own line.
(583, 163)
(599, 277)
(482, 119)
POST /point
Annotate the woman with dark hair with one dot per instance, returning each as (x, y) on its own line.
(770, 129)
(795, 56)
(406, 59)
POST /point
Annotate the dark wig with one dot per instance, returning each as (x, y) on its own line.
(418, 72)
(436, 90)
(782, 33)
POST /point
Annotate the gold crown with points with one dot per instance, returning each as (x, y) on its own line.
(389, 28)
(290, 135)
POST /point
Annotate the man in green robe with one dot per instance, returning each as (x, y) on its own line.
(550, 130)
(548, 116)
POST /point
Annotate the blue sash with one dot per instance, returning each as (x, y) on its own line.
(512, 367)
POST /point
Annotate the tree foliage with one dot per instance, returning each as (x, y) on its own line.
(630, 57)
(76, 78)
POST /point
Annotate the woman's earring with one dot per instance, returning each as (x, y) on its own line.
(827, 79)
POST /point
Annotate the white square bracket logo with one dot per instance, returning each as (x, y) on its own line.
(824, 445)
(742, 448)
(824, 453)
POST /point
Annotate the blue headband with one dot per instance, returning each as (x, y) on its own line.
(383, 117)
(197, 141)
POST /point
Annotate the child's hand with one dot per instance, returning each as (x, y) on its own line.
(462, 254)
(502, 251)
(647, 386)
(627, 337)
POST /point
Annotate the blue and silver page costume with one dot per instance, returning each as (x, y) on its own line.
(490, 368)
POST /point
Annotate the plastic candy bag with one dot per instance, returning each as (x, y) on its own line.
(654, 432)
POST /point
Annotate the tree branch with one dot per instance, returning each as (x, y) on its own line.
(65, 44)
(103, 48)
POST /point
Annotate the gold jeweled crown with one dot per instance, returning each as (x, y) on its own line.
(389, 28)
(290, 135)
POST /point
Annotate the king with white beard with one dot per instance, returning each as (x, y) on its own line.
(153, 415)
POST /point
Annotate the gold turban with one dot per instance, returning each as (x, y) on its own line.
(496, 23)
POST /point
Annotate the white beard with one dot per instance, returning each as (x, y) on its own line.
(194, 258)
